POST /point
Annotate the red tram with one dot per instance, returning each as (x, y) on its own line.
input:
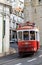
(28, 38)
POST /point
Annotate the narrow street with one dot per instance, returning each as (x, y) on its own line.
(20, 32)
(15, 59)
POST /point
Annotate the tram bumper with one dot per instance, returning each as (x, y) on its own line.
(27, 49)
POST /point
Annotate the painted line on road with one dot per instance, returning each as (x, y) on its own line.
(32, 60)
(18, 64)
(40, 56)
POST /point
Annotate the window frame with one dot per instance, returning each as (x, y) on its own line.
(30, 35)
(23, 35)
(18, 35)
(37, 36)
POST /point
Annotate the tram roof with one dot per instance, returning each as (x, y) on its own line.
(28, 28)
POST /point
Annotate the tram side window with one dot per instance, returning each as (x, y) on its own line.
(37, 36)
(32, 35)
(26, 35)
(19, 35)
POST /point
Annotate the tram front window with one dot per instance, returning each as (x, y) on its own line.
(19, 35)
(32, 35)
(26, 35)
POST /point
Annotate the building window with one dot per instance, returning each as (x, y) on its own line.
(19, 13)
(39, 0)
(10, 34)
(13, 0)
(8, 0)
(3, 28)
(35, 10)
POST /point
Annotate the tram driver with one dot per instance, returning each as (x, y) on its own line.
(32, 35)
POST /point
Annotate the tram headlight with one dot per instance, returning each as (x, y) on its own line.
(34, 49)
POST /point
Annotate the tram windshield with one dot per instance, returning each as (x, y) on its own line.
(29, 35)
(26, 35)
(32, 35)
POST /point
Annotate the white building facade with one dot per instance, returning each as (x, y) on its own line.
(17, 15)
(4, 26)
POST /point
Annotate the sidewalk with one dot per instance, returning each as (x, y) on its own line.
(11, 51)
(8, 58)
(12, 54)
